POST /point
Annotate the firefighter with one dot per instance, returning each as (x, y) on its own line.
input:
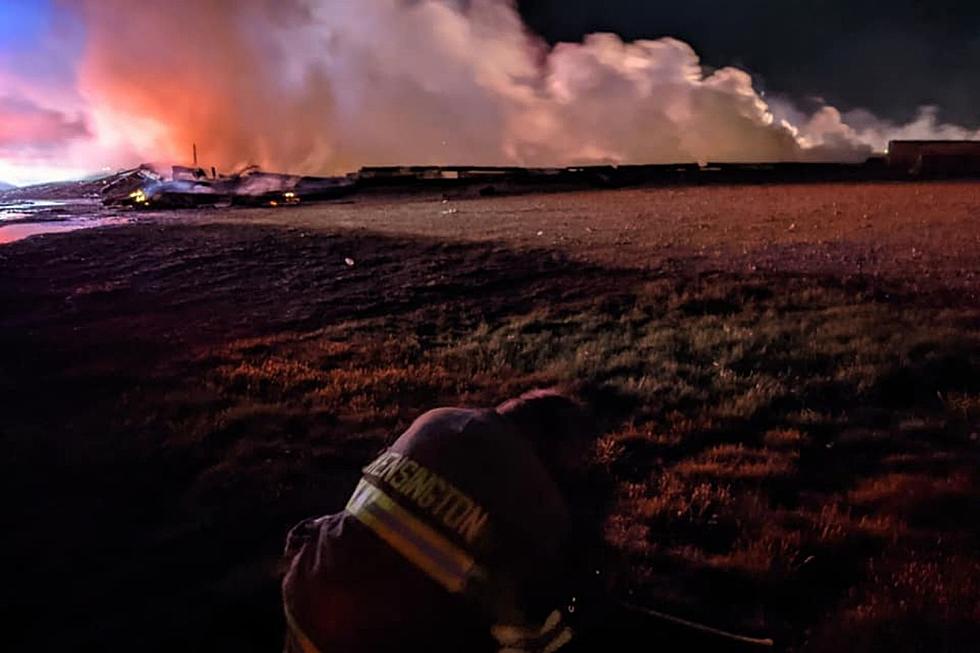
(458, 537)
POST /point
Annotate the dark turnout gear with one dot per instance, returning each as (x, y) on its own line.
(456, 537)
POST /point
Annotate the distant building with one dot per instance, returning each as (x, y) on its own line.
(935, 158)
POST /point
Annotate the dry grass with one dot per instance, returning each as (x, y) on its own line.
(919, 602)
(753, 467)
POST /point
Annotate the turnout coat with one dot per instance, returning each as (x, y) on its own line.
(456, 538)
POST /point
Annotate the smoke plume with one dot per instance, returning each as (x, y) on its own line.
(24, 124)
(321, 86)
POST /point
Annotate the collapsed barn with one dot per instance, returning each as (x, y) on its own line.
(194, 187)
(190, 187)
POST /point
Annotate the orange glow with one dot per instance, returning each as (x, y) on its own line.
(199, 81)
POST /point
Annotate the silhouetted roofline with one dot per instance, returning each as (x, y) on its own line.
(935, 142)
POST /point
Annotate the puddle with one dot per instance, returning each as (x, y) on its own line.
(13, 232)
(25, 218)
(20, 209)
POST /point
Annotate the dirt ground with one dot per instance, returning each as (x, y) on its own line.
(794, 440)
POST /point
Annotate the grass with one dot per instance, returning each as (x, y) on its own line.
(754, 471)
(791, 454)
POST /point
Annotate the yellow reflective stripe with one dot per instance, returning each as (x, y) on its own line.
(416, 541)
(305, 644)
(370, 500)
(546, 638)
(564, 637)
(431, 537)
(442, 560)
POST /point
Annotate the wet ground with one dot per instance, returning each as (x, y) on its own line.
(24, 218)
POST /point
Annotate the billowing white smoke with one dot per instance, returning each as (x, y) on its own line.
(926, 126)
(329, 85)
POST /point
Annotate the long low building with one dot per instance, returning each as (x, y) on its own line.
(935, 158)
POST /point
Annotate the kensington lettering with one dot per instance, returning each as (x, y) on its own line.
(431, 493)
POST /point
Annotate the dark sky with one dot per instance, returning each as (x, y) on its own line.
(889, 56)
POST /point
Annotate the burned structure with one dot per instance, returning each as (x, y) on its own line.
(190, 187)
(935, 158)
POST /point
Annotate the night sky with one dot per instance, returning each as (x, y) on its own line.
(890, 57)
(38, 41)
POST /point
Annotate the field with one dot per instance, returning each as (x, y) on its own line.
(789, 378)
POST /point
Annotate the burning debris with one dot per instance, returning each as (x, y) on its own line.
(143, 188)
(130, 182)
